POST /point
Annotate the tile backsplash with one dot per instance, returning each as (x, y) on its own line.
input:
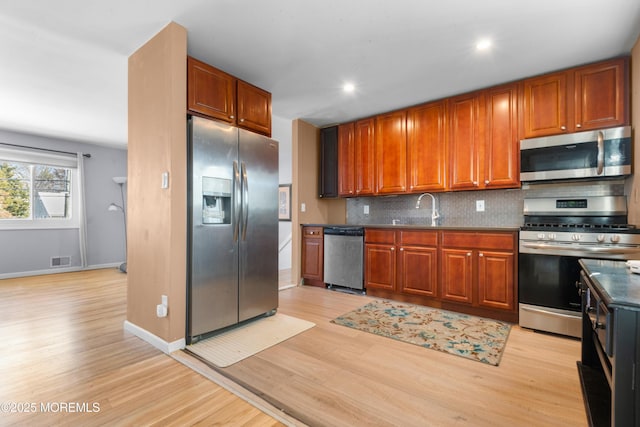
(502, 208)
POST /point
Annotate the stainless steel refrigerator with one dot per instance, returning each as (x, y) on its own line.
(232, 227)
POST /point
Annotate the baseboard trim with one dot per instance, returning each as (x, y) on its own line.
(154, 340)
(56, 271)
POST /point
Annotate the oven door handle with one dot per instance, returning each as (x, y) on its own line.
(536, 310)
(595, 249)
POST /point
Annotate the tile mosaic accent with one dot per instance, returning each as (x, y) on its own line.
(503, 208)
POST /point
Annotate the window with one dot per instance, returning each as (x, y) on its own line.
(37, 193)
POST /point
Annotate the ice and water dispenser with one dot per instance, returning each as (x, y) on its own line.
(216, 200)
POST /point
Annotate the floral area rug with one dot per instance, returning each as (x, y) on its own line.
(468, 336)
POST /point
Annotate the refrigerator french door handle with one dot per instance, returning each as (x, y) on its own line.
(236, 201)
(245, 202)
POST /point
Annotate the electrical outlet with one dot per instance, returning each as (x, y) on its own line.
(366, 209)
(479, 205)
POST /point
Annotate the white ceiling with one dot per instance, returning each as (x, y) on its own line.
(63, 71)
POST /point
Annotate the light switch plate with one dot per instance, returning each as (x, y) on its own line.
(479, 205)
(366, 209)
(303, 207)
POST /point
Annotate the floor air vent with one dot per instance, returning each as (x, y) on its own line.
(61, 261)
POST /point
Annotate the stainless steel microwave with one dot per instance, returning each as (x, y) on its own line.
(592, 154)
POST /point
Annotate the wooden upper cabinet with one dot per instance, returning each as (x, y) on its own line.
(213, 93)
(364, 156)
(501, 165)
(426, 147)
(545, 108)
(466, 140)
(593, 96)
(328, 174)
(391, 152)
(601, 95)
(254, 108)
(210, 91)
(346, 153)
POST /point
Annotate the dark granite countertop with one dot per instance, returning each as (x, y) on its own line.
(416, 227)
(618, 286)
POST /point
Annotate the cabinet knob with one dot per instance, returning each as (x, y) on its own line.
(578, 125)
(475, 183)
(401, 249)
(480, 254)
(563, 127)
(241, 120)
(486, 182)
(468, 253)
(392, 248)
(232, 117)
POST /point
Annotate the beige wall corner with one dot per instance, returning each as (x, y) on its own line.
(305, 171)
(633, 184)
(156, 232)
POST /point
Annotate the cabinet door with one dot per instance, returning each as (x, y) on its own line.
(496, 280)
(312, 254)
(380, 266)
(210, 91)
(601, 95)
(254, 108)
(426, 147)
(545, 105)
(346, 153)
(501, 154)
(364, 156)
(457, 275)
(418, 270)
(328, 178)
(466, 141)
(391, 153)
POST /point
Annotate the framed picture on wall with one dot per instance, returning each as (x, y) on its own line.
(284, 202)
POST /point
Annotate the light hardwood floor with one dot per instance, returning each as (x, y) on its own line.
(64, 342)
(336, 376)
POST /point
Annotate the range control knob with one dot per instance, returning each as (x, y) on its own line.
(600, 238)
(541, 236)
(615, 238)
(552, 236)
(575, 237)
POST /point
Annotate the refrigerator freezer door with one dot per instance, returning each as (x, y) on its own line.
(213, 292)
(258, 284)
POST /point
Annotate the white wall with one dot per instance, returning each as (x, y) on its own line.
(281, 132)
(25, 252)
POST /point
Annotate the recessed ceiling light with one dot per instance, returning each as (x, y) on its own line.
(348, 87)
(483, 44)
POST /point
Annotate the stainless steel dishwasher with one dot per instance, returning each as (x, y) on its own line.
(344, 256)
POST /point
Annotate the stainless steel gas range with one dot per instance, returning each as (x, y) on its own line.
(558, 232)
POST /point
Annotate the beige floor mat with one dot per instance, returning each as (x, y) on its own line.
(244, 341)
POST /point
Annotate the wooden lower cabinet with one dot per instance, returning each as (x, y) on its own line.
(380, 259)
(457, 275)
(466, 271)
(313, 256)
(402, 261)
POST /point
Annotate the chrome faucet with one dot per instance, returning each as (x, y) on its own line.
(434, 211)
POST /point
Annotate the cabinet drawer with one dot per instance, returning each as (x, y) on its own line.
(312, 231)
(379, 236)
(419, 238)
(503, 241)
